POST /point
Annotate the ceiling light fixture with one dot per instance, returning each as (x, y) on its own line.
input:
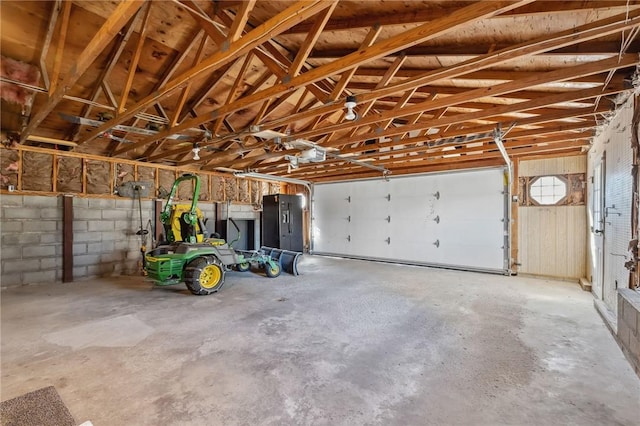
(196, 151)
(350, 105)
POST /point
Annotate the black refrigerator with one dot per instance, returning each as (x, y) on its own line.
(282, 222)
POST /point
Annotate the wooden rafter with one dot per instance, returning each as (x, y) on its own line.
(118, 47)
(346, 76)
(310, 40)
(53, 19)
(57, 62)
(564, 38)
(133, 64)
(293, 14)
(508, 87)
(102, 38)
(234, 89)
(427, 14)
(240, 20)
(184, 92)
(411, 37)
(593, 48)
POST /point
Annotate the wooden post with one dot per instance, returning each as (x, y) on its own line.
(67, 238)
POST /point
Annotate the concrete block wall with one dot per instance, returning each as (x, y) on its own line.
(104, 237)
(31, 230)
(628, 332)
(243, 212)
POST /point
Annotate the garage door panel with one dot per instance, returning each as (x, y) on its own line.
(453, 219)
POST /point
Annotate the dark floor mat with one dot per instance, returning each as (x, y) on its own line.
(42, 407)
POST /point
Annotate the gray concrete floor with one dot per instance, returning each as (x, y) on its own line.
(348, 342)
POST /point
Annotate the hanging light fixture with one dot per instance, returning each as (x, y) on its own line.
(350, 105)
(196, 151)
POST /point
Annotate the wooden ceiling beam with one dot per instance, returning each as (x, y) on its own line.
(428, 14)
(57, 62)
(234, 90)
(455, 20)
(393, 132)
(486, 149)
(184, 92)
(500, 89)
(487, 113)
(310, 40)
(552, 41)
(539, 120)
(476, 75)
(98, 43)
(112, 59)
(292, 15)
(133, 64)
(480, 153)
(56, 8)
(592, 48)
(240, 20)
(346, 76)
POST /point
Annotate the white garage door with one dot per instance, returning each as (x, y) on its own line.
(454, 219)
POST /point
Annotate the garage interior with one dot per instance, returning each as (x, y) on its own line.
(461, 177)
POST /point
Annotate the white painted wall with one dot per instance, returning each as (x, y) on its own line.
(614, 142)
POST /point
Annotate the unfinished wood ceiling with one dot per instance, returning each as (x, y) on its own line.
(262, 85)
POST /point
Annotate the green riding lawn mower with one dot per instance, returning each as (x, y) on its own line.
(188, 255)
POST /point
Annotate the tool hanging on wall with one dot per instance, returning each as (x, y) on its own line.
(133, 189)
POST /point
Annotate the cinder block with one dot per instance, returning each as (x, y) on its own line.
(101, 225)
(82, 237)
(134, 255)
(11, 200)
(87, 214)
(39, 277)
(111, 235)
(116, 214)
(39, 226)
(630, 317)
(20, 213)
(113, 257)
(51, 213)
(624, 333)
(634, 348)
(41, 201)
(101, 203)
(20, 265)
(51, 238)
(38, 251)
(11, 226)
(80, 226)
(11, 280)
(127, 226)
(101, 247)
(86, 259)
(126, 203)
(79, 271)
(19, 239)
(11, 252)
(80, 203)
(79, 248)
(51, 263)
(620, 313)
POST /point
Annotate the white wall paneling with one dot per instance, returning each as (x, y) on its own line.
(552, 239)
(454, 219)
(614, 143)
